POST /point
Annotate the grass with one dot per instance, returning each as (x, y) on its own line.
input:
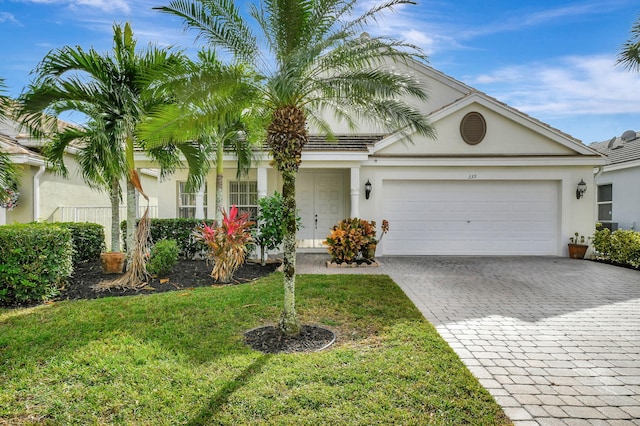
(179, 358)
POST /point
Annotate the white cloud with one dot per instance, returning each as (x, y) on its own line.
(8, 17)
(570, 86)
(79, 5)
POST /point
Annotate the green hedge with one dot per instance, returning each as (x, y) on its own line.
(179, 230)
(621, 246)
(35, 259)
(87, 238)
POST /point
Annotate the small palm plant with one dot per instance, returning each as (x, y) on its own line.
(227, 243)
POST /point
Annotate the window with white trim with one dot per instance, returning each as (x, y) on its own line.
(244, 195)
(187, 201)
(605, 203)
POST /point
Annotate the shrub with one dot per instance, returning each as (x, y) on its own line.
(164, 256)
(87, 239)
(621, 246)
(353, 239)
(269, 232)
(227, 243)
(602, 242)
(180, 230)
(35, 259)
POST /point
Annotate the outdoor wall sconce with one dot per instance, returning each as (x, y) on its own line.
(582, 188)
(367, 189)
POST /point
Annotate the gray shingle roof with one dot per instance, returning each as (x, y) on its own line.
(342, 143)
(619, 150)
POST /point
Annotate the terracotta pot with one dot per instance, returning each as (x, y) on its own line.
(371, 251)
(577, 251)
(112, 262)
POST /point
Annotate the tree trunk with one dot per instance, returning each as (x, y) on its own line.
(289, 323)
(286, 136)
(131, 219)
(115, 215)
(219, 171)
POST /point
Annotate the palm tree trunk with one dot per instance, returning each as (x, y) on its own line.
(131, 218)
(219, 170)
(115, 215)
(289, 323)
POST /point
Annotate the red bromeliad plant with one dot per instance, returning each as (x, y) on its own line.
(227, 244)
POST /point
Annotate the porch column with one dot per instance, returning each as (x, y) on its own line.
(200, 202)
(262, 182)
(3, 216)
(355, 192)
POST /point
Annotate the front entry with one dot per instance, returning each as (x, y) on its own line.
(320, 201)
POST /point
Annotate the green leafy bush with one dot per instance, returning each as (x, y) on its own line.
(35, 259)
(180, 230)
(269, 232)
(164, 256)
(87, 238)
(621, 246)
(352, 239)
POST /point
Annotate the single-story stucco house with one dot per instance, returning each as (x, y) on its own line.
(45, 195)
(618, 197)
(495, 181)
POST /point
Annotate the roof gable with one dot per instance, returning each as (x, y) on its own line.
(509, 132)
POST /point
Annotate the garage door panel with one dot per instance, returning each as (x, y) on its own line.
(479, 217)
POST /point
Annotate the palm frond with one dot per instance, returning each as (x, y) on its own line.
(220, 22)
(629, 56)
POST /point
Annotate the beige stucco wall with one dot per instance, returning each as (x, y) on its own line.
(575, 215)
(503, 137)
(168, 203)
(23, 213)
(57, 191)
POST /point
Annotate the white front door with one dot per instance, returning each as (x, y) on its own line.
(320, 202)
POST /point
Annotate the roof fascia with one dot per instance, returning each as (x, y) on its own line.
(621, 166)
(516, 116)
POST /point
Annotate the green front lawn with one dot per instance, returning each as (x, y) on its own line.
(179, 358)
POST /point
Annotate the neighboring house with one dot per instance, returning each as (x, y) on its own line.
(618, 197)
(495, 182)
(47, 196)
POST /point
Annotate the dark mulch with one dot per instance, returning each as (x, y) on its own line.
(186, 274)
(270, 340)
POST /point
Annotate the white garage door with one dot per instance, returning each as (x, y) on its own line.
(471, 217)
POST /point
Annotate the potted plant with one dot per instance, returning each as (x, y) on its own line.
(578, 246)
(112, 262)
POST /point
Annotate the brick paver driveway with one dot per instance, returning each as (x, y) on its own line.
(556, 341)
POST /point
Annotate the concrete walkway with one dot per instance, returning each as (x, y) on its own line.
(556, 341)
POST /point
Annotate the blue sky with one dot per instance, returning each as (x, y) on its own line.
(552, 59)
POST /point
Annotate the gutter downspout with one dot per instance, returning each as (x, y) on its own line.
(36, 193)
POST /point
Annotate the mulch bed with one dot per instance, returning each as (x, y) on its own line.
(270, 340)
(186, 274)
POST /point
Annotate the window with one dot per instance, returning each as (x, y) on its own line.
(187, 201)
(605, 203)
(244, 194)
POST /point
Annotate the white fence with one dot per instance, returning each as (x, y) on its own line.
(99, 215)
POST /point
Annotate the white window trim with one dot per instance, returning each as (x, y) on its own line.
(192, 208)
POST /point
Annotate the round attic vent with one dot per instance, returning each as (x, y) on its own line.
(473, 128)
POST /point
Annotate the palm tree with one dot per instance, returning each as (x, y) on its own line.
(212, 105)
(114, 92)
(310, 57)
(9, 173)
(629, 56)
